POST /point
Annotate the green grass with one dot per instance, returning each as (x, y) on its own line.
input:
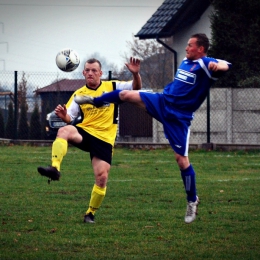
(142, 215)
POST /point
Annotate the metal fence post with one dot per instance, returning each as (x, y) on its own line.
(15, 104)
(208, 118)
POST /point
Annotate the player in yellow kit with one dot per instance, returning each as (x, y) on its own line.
(95, 133)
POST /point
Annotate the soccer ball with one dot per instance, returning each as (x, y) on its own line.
(67, 60)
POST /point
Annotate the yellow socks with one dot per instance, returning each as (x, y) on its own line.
(59, 150)
(96, 199)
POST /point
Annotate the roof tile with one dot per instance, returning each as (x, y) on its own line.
(172, 16)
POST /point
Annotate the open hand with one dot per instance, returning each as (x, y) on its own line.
(61, 111)
(133, 65)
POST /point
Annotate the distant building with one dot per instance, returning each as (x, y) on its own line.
(129, 116)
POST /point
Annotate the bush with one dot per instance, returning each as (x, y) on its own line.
(235, 34)
(252, 82)
(35, 125)
(10, 125)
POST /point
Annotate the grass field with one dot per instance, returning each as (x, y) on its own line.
(142, 215)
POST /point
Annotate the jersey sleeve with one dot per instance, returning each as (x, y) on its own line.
(124, 85)
(219, 73)
(204, 63)
(72, 108)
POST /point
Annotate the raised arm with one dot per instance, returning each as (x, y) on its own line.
(134, 67)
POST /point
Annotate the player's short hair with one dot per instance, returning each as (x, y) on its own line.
(93, 60)
(202, 40)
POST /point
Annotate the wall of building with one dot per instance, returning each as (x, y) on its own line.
(180, 39)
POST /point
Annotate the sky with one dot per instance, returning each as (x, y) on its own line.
(32, 32)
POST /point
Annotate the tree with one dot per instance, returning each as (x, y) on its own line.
(106, 65)
(2, 127)
(35, 124)
(23, 127)
(9, 129)
(235, 28)
(157, 62)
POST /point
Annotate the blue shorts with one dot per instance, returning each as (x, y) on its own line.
(176, 124)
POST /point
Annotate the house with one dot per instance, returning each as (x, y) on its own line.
(178, 19)
(60, 91)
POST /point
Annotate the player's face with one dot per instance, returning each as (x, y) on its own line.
(92, 74)
(193, 51)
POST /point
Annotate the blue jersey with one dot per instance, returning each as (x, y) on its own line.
(174, 107)
(191, 84)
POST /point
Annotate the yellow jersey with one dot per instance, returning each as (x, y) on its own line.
(100, 122)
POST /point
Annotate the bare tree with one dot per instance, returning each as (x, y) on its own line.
(157, 62)
(106, 65)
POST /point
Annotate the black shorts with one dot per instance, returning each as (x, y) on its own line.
(95, 147)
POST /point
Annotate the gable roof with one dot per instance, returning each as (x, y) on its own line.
(63, 85)
(172, 16)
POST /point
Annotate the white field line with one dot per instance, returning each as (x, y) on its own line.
(175, 180)
(243, 179)
(232, 156)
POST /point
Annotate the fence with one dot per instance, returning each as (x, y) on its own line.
(230, 115)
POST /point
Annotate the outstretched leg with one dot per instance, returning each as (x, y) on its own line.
(110, 97)
(116, 96)
(59, 150)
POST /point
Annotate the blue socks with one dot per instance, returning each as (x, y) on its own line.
(188, 177)
(110, 97)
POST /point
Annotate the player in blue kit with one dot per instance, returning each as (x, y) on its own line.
(175, 106)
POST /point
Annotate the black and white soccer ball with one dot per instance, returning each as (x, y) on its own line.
(67, 60)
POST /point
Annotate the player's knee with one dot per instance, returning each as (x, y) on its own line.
(183, 162)
(62, 131)
(101, 179)
(124, 95)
